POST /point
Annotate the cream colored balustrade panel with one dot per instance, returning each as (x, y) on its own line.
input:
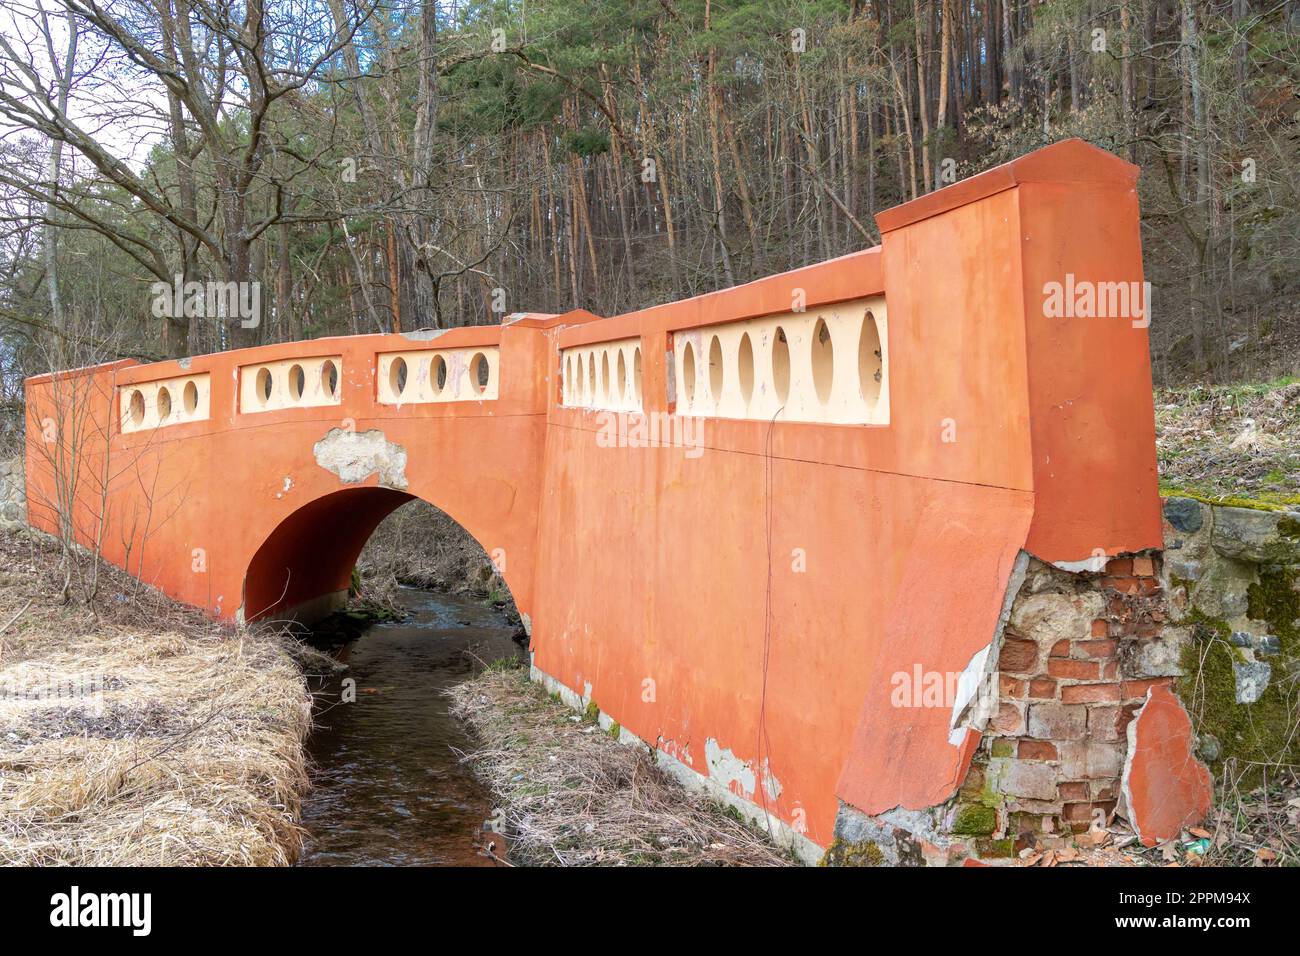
(171, 401)
(439, 375)
(605, 375)
(828, 365)
(290, 383)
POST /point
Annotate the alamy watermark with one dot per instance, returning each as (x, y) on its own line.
(86, 692)
(650, 430)
(225, 301)
(1084, 299)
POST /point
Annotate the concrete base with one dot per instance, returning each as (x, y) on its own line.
(314, 610)
(782, 834)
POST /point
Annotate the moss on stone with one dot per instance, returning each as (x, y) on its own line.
(847, 853)
(974, 819)
(591, 712)
(1003, 747)
(1255, 734)
(996, 849)
(1266, 500)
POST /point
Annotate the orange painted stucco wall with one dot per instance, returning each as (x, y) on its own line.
(751, 599)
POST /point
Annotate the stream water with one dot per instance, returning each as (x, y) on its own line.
(387, 787)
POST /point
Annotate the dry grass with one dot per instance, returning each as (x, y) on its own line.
(184, 746)
(1231, 441)
(572, 796)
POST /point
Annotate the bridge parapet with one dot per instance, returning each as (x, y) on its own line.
(164, 402)
(603, 375)
(308, 381)
(440, 375)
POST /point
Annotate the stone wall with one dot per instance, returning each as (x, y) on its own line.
(1233, 579)
(13, 495)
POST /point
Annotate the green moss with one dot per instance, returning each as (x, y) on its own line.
(1259, 734)
(614, 730)
(1289, 528)
(591, 713)
(1003, 747)
(974, 819)
(1263, 501)
(845, 853)
(1274, 598)
(996, 849)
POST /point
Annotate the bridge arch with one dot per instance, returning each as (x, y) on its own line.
(303, 567)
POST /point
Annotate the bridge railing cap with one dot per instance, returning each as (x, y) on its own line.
(1071, 160)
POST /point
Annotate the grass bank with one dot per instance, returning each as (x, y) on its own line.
(135, 732)
(1231, 444)
(569, 795)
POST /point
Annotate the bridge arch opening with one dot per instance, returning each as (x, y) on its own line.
(303, 570)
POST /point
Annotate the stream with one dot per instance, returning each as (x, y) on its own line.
(387, 787)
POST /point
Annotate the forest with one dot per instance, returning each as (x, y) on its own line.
(370, 165)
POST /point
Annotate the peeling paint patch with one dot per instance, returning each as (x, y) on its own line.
(424, 335)
(972, 705)
(977, 692)
(1094, 564)
(728, 769)
(1164, 786)
(737, 775)
(184, 362)
(355, 456)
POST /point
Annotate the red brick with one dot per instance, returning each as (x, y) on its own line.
(1110, 670)
(1036, 750)
(1052, 721)
(1010, 686)
(1100, 627)
(1119, 566)
(1043, 688)
(1091, 759)
(1106, 648)
(1018, 656)
(1124, 585)
(1060, 649)
(1074, 670)
(1074, 791)
(1078, 812)
(1144, 567)
(1009, 721)
(1125, 717)
(1105, 790)
(1134, 689)
(1090, 693)
(1103, 723)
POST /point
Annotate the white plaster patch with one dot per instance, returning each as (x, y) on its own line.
(1094, 564)
(972, 706)
(355, 456)
(725, 767)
